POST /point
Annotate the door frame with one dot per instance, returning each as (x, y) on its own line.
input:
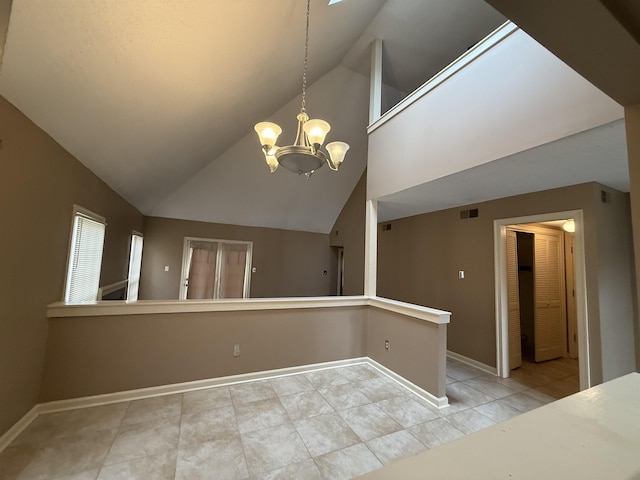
(501, 307)
(340, 281)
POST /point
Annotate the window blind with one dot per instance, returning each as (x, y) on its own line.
(85, 259)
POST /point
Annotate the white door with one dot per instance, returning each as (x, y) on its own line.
(513, 299)
(549, 314)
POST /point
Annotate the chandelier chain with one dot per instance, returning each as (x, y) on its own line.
(306, 59)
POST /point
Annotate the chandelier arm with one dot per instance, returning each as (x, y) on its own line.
(331, 165)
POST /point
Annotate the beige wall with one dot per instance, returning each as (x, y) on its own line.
(348, 232)
(616, 284)
(105, 354)
(289, 263)
(417, 350)
(5, 12)
(419, 260)
(39, 183)
(632, 121)
(93, 355)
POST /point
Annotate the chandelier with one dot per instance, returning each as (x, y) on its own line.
(305, 155)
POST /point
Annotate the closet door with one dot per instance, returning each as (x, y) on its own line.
(513, 298)
(549, 288)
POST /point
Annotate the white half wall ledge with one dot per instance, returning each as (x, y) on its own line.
(428, 314)
(143, 307)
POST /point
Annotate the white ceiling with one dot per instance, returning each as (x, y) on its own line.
(159, 97)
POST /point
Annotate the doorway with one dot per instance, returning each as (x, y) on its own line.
(547, 343)
(215, 269)
(541, 292)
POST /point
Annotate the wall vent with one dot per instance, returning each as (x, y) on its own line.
(386, 226)
(472, 213)
(605, 197)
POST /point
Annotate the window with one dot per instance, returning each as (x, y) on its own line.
(215, 269)
(85, 257)
(135, 262)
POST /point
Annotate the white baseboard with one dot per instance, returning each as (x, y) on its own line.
(438, 402)
(138, 394)
(472, 362)
(11, 434)
(141, 393)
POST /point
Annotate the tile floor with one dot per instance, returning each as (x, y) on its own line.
(328, 424)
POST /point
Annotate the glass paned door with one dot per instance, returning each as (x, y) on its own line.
(215, 269)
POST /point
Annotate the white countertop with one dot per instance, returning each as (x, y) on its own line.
(594, 434)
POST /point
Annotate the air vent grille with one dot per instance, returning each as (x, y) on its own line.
(471, 213)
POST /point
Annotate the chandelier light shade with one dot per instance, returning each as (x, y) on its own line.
(268, 133)
(305, 155)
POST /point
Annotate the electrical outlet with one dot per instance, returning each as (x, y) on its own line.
(387, 344)
(236, 350)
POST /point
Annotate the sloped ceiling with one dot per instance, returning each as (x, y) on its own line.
(159, 97)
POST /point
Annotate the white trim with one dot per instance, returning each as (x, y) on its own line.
(438, 402)
(472, 363)
(171, 389)
(375, 83)
(432, 315)
(11, 434)
(142, 393)
(183, 387)
(482, 47)
(136, 246)
(107, 289)
(500, 265)
(141, 307)
(371, 248)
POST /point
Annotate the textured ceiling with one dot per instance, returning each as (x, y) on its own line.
(159, 97)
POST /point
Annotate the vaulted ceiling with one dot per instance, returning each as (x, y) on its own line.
(159, 98)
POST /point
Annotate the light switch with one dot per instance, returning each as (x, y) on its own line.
(166, 268)
(460, 273)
